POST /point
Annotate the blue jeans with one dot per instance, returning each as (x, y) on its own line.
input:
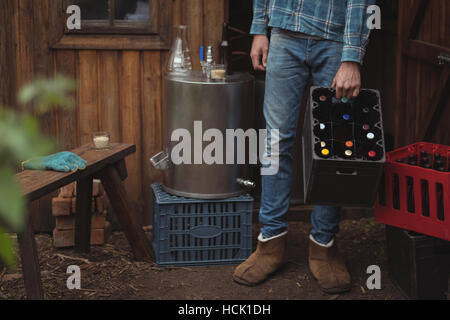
(291, 63)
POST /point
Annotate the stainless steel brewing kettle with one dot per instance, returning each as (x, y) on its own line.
(191, 99)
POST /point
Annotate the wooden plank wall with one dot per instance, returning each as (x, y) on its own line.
(379, 68)
(7, 56)
(436, 30)
(421, 79)
(118, 91)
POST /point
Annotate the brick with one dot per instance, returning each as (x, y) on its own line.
(99, 221)
(67, 191)
(68, 222)
(63, 238)
(65, 223)
(66, 238)
(101, 236)
(97, 188)
(61, 206)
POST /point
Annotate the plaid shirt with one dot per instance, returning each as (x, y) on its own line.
(338, 20)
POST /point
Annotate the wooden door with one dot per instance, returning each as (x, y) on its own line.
(423, 111)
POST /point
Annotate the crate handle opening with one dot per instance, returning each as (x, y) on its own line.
(347, 172)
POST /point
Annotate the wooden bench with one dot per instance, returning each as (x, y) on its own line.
(108, 166)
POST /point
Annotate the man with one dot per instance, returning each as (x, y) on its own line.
(325, 40)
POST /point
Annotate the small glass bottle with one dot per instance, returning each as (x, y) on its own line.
(180, 56)
(225, 50)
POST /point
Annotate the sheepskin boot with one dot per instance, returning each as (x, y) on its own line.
(269, 256)
(328, 268)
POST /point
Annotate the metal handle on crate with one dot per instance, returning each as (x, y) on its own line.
(160, 161)
(354, 173)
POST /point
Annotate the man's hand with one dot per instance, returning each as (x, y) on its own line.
(260, 50)
(347, 81)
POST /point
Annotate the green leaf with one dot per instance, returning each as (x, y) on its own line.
(12, 203)
(28, 93)
(7, 249)
(48, 93)
(21, 138)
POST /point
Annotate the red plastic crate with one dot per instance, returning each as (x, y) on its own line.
(401, 216)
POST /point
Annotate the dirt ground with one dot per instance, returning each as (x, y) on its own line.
(109, 272)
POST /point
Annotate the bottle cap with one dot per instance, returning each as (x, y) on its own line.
(323, 144)
(323, 98)
(322, 126)
(348, 153)
(349, 144)
(366, 127)
(372, 154)
(325, 152)
(202, 53)
(370, 136)
(346, 117)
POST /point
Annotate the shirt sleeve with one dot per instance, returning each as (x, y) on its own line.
(260, 17)
(356, 34)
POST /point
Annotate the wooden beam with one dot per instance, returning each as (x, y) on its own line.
(83, 215)
(424, 51)
(417, 14)
(121, 168)
(118, 198)
(112, 12)
(111, 42)
(30, 263)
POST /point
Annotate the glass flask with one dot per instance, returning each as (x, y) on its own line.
(180, 55)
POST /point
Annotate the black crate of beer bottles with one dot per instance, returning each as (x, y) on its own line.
(343, 148)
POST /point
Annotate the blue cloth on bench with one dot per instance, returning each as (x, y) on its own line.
(62, 162)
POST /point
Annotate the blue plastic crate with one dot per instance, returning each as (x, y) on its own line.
(198, 232)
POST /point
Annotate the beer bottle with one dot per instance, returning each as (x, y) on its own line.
(225, 50)
(424, 159)
(436, 161)
(412, 160)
